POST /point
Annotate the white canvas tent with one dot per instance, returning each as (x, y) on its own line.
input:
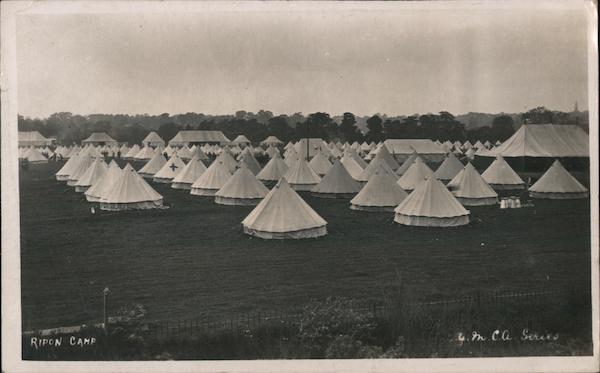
(383, 152)
(132, 152)
(407, 163)
(274, 170)
(500, 176)
(337, 183)
(241, 140)
(153, 166)
(431, 205)
(228, 161)
(271, 141)
(401, 149)
(558, 183)
(544, 140)
(213, 179)
(130, 192)
(153, 139)
(243, 188)
(94, 173)
(320, 164)
(283, 214)
(470, 188)
(352, 165)
(189, 174)
(301, 176)
(381, 193)
(34, 156)
(170, 169)
(415, 175)
(85, 161)
(248, 159)
(146, 153)
(68, 168)
(100, 188)
(376, 163)
(449, 168)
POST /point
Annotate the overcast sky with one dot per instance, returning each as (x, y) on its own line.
(389, 61)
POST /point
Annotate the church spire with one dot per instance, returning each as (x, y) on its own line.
(576, 108)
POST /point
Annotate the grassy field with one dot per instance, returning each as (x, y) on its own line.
(194, 259)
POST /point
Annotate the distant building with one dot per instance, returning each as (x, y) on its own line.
(100, 138)
(33, 138)
(153, 140)
(199, 138)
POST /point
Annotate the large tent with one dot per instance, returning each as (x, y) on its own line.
(401, 149)
(93, 173)
(558, 183)
(189, 174)
(337, 183)
(500, 176)
(544, 140)
(448, 169)
(381, 193)
(170, 169)
(241, 140)
(301, 176)
(274, 170)
(431, 205)
(196, 137)
(213, 179)
(153, 166)
(101, 187)
(99, 138)
(130, 192)
(471, 189)
(33, 138)
(415, 175)
(283, 214)
(153, 140)
(243, 188)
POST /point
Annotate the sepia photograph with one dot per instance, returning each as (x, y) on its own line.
(299, 186)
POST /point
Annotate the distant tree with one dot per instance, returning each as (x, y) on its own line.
(263, 116)
(240, 114)
(539, 115)
(409, 127)
(392, 128)
(278, 127)
(375, 129)
(167, 131)
(502, 128)
(318, 125)
(348, 130)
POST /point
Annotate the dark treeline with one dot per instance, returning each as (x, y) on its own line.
(70, 128)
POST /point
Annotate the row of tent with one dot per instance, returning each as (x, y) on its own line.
(412, 190)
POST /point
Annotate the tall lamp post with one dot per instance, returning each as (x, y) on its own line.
(105, 292)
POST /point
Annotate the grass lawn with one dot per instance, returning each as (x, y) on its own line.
(193, 258)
